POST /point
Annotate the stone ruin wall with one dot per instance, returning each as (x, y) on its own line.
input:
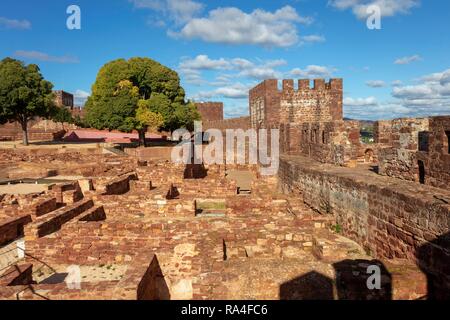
(210, 111)
(391, 222)
(407, 221)
(38, 129)
(233, 123)
(310, 119)
(322, 103)
(334, 142)
(404, 143)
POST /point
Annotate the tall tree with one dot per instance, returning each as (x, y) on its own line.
(147, 119)
(123, 87)
(24, 94)
(62, 115)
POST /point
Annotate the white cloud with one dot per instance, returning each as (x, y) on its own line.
(232, 26)
(275, 63)
(408, 60)
(260, 73)
(242, 64)
(313, 71)
(179, 11)
(80, 97)
(360, 102)
(191, 68)
(14, 24)
(376, 83)
(433, 89)
(429, 96)
(312, 39)
(203, 62)
(41, 56)
(441, 77)
(234, 111)
(388, 110)
(389, 8)
(412, 92)
(236, 91)
(229, 25)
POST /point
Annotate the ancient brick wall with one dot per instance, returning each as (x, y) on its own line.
(38, 129)
(437, 159)
(12, 228)
(63, 98)
(269, 105)
(234, 123)
(382, 133)
(330, 142)
(117, 185)
(210, 111)
(417, 151)
(264, 104)
(390, 221)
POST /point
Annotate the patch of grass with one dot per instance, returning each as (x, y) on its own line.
(337, 228)
(211, 205)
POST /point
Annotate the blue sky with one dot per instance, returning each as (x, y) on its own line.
(223, 48)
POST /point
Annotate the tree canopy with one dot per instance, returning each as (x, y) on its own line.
(24, 94)
(62, 115)
(136, 94)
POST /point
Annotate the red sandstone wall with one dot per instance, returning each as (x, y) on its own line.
(38, 129)
(234, 123)
(382, 133)
(13, 228)
(264, 104)
(269, 105)
(334, 142)
(390, 221)
(331, 142)
(210, 111)
(401, 158)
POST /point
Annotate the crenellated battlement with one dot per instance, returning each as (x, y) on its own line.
(303, 85)
(273, 101)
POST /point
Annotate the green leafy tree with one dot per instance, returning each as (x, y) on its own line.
(184, 116)
(147, 119)
(124, 87)
(79, 122)
(62, 115)
(24, 94)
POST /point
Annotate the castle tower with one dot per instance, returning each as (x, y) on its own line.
(271, 106)
(210, 111)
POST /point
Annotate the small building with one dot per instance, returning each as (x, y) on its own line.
(63, 98)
